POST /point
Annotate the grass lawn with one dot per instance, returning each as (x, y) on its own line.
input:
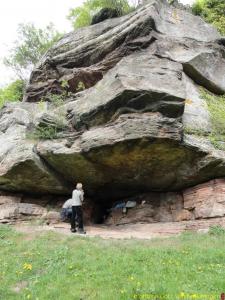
(56, 267)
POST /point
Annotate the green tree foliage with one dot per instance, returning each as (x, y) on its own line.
(213, 11)
(31, 44)
(81, 16)
(12, 92)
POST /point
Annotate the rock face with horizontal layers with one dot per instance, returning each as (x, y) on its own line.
(129, 87)
(21, 168)
(203, 201)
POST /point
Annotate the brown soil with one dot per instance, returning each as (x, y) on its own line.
(137, 231)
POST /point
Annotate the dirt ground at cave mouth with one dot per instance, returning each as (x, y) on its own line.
(137, 231)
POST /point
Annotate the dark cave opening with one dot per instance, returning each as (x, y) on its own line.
(99, 212)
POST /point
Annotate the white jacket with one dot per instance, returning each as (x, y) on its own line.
(77, 197)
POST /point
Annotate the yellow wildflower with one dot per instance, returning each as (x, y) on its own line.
(27, 266)
(182, 295)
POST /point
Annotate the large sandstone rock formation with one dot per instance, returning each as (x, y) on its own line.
(206, 200)
(132, 86)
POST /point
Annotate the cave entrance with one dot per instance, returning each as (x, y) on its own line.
(99, 212)
(148, 207)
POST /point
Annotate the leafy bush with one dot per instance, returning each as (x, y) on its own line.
(218, 141)
(81, 16)
(43, 133)
(216, 230)
(49, 129)
(12, 92)
(59, 99)
(213, 11)
(195, 131)
(216, 105)
(55, 99)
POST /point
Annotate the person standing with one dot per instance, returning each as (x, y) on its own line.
(77, 213)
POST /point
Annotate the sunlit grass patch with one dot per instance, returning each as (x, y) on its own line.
(54, 266)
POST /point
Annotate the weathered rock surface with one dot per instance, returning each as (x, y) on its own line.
(20, 166)
(130, 87)
(133, 87)
(104, 14)
(12, 209)
(21, 207)
(207, 69)
(206, 200)
(98, 48)
(203, 201)
(196, 115)
(135, 153)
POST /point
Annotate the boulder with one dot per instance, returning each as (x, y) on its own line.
(10, 199)
(104, 14)
(121, 156)
(208, 69)
(21, 169)
(11, 212)
(51, 217)
(179, 23)
(98, 48)
(196, 117)
(206, 200)
(203, 62)
(130, 87)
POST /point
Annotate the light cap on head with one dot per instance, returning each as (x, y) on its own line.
(79, 186)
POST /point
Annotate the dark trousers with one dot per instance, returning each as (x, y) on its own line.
(66, 214)
(77, 214)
